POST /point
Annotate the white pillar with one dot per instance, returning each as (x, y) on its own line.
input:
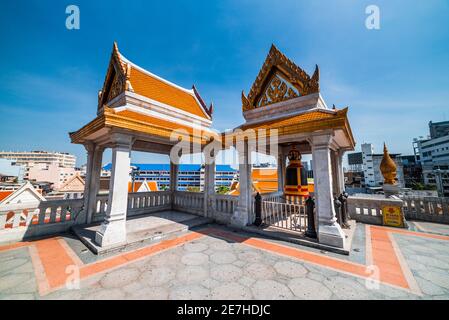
(335, 176)
(340, 172)
(173, 176)
(281, 171)
(242, 216)
(209, 186)
(94, 181)
(90, 147)
(173, 182)
(329, 231)
(113, 229)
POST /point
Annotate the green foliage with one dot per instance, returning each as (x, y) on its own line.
(223, 190)
(421, 186)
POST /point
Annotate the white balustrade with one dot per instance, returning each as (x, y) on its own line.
(191, 202)
(18, 221)
(432, 209)
(368, 209)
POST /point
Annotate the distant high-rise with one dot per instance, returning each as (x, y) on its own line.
(438, 129)
(369, 163)
(64, 160)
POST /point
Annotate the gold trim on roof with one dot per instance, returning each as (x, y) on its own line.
(116, 80)
(109, 118)
(277, 62)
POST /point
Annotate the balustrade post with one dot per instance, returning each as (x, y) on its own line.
(310, 208)
(258, 209)
(343, 198)
(337, 206)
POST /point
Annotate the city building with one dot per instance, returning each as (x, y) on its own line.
(9, 172)
(73, 188)
(438, 129)
(368, 162)
(433, 150)
(49, 172)
(190, 176)
(64, 160)
(355, 162)
(432, 153)
(412, 171)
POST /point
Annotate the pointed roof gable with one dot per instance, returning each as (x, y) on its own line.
(76, 183)
(123, 75)
(279, 79)
(26, 193)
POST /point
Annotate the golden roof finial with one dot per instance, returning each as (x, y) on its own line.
(388, 168)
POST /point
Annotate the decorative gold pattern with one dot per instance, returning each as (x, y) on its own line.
(388, 168)
(278, 90)
(117, 87)
(275, 62)
(117, 78)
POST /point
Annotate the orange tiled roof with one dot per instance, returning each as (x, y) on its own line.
(161, 91)
(152, 186)
(4, 194)
(136, 121)
(308, 122)
(298, 119)
(153, 121)
(137, 185)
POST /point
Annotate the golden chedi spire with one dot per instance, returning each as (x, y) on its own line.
(388, 168)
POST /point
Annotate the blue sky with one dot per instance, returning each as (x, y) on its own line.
(395, 80)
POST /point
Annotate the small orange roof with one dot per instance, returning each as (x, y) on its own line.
(137, 185)
(156, 88)
(298, 119)
(150, 86)
(151, 185)
(264, 181)
(153, 121)
(4, 194)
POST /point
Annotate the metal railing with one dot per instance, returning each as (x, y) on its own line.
(285, 215)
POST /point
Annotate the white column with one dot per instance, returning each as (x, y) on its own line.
(335, 177)
(329, 231)
(94, 182)
(90, 147)
(241, 216)
(340, 173)
(113, 230)
(173, 176)
(281, 171)
(173, 182)
(209, 186)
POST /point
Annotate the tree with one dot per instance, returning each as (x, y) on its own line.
(223, 190)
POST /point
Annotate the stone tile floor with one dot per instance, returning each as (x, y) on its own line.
(226, 265)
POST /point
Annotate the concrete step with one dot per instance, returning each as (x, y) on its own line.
(294, 237)
(139, 238)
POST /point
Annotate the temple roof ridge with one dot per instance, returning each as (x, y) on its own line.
(127, 67)
(149, 73)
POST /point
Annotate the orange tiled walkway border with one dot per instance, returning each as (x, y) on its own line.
(52, 257)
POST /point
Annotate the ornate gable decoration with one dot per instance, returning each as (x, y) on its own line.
(117, 78)
(279, 79)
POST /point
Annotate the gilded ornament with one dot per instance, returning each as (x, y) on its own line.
(388, 168)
